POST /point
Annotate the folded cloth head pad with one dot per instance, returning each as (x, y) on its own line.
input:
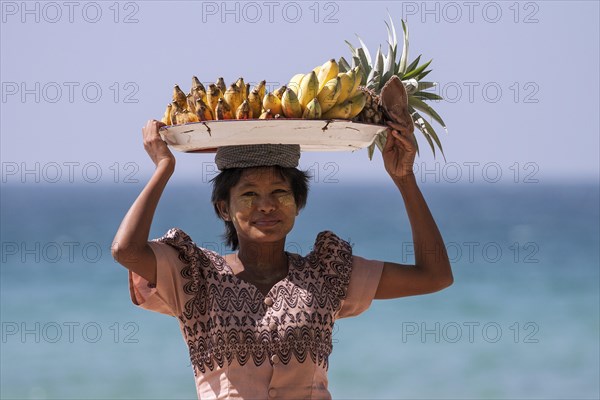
(257, 155)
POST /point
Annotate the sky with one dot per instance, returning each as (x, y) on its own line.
(80, 79)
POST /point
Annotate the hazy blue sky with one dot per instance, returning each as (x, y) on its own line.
(79, 79)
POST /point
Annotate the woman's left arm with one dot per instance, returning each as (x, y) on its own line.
(432, 271)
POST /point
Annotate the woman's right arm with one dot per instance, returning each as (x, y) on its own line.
(130, 245)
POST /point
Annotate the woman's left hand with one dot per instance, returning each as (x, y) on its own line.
(399, 151)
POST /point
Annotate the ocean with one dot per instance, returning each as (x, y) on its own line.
(520, 321)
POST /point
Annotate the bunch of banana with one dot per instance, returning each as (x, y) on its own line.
(324, 93)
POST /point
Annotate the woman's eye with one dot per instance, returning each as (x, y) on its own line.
(249, 194)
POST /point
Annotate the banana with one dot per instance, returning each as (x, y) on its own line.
(255, 103)
(294, 83)
(279, 92)
(246, 91)
(244, 111)
(174, 110)
(329, 94)
(328, 71)
(221, 84)
(317, 69)
(309, 87)
(312, 110)
(184, 117)
(266, 115)
(203, 112)
(242, 87)
(196, 84)
(179, 97)
(358, 103)
(339, 111)
(233, 96)
(223, 111)
(166, 119)
(262, 89)
(358, 76)
(290, 105)
(272, 102)
(213, 95)
(347, 81)
(191, 102)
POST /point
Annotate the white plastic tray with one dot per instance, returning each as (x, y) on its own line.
(311, 135)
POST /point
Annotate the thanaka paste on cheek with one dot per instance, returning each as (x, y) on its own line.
(246, 202)
(287, 200)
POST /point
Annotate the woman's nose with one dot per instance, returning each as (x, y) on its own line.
(267, 204)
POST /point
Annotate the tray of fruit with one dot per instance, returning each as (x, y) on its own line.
(311, 135)
(335, 106)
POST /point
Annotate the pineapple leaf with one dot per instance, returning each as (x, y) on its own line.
(394, 36)
(426, 85)
(413, 64)
(427, 96)
(432, 133)
(371, 150)
(423, 74)
(420, 124)
(416, 71)
(404, 57)
(365, 49)
(390, 61)
(363, 60)
(352, 49)
(343, 65)
(425, 108)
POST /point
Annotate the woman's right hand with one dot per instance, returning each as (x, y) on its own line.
(157, 148)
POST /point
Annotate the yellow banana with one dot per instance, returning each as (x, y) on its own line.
(329, 94)
(279, 92)
(347, 82)
(272, 102)
(184, 117)
(312, 110)
(358, 75)
(233, 97)
(166, 119)
(261, 87)
(223, 111)
(196, 84)
(244, 111)
(203, 112)
(179, 97)
(246, 91)
(358, 103)
(317, 69)
(339, 111)
(309, 88)
(191, 103)
(266, 115)
(212, 96)
(290, 105)
(221, 84)
(294, 83)
(328, 71)
(255, 103)
(174, 110)
(242, 87)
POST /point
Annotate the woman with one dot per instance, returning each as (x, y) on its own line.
(258, 323)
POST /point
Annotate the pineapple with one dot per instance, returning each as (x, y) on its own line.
(377, 71)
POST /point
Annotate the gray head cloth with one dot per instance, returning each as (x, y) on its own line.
(258, 155)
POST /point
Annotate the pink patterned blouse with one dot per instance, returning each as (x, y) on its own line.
(243, 344)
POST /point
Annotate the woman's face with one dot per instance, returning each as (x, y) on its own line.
(261, 206)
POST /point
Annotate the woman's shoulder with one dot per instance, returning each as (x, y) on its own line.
(181, 241)
(327, 241)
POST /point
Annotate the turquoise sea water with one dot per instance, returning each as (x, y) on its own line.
(521, 320)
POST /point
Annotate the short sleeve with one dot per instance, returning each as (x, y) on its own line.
(364, 280)
(167, 296)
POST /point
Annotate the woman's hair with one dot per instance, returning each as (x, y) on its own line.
(228, 178)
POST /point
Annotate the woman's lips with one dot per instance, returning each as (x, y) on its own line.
(266, 222)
